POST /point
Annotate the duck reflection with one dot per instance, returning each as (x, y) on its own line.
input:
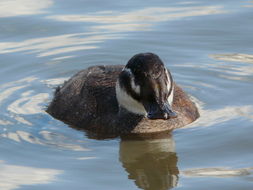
(150, 160)
(151, 163)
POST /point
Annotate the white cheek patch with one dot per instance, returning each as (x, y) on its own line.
(169, 84)
(135, 88)
(126, 101)
(168, 78)
(171, 96)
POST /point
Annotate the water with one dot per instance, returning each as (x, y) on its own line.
(206, 44)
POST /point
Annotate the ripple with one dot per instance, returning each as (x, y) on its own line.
(19, 99)
(66, 50)
(109, 25)
(46, 138)
(14, 176)
(217, 172)
(249, 4)
(10, 8)
(6, 93)
(137, 20)
(24, 80)
(228, 66)
(8, 89)
(86, 158)
(26, 101)
(234, 71)
(54, 45)
(61, 58)
(236, 57)
(23, 102)
(123, 27)
(21, 119)
(146, 15)
(209, 117)
(53, 82)
(28, 104)
(5, 122)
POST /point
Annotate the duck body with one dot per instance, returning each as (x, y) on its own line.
(88, 101)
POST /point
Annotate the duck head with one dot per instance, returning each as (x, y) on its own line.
(145, 87)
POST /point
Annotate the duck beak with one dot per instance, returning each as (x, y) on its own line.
(156, 111)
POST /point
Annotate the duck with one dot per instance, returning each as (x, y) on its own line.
(140, 97)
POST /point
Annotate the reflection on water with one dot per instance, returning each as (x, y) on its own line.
(4, 122)
(110, 21)
(236, 66)
(45, 138)
(54, 45)
(20, 102)
(54, 82)
(28, 104)
(146, 15)
(217, 172)
(234, 71)
(9, 8)
(248, 4)
(11, 87)
(237, 57)
(7, 92)
(152, 164)
(14, 176)
(210, 117)
(26, 101)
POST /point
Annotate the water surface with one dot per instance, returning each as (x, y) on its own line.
(207, 45)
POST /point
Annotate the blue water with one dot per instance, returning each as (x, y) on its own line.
(207, 45)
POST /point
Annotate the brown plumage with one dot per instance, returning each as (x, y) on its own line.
(88, 101)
